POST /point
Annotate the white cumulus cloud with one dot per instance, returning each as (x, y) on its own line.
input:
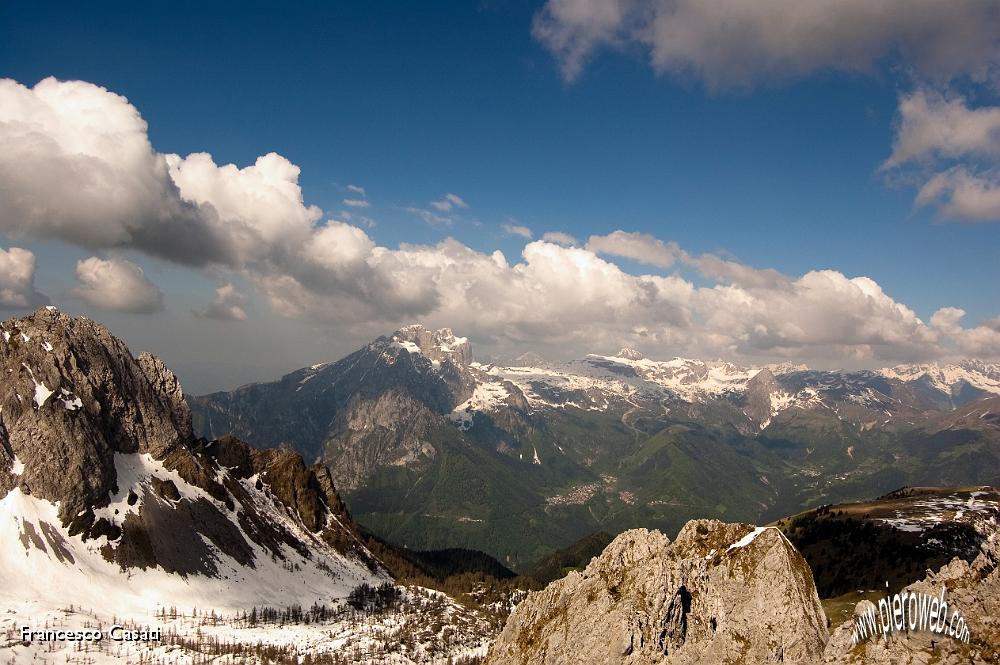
(964, 195)
(17, 279)
(954, 150)
(449, 201)
(640, 247)
(116, 284)
(77, 165)
(559, 238)
(934, 125)
(517, 230)
(80, 169)
(227, 305)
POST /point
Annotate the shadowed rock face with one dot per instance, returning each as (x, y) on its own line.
(77, 410)
(758, 395)
(387, 429)
(718, 593)
(370, 410)
(71, 397)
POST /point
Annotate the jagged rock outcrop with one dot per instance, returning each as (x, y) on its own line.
(759, 394)
(971, 588)
(719, 593)
(73, 396)
(107, 438)
(438, 345)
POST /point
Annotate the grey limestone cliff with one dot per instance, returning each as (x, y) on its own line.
(719, 593)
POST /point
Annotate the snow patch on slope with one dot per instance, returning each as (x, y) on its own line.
(42, 394)
(487, 397)
(37, 546)
(406, 346)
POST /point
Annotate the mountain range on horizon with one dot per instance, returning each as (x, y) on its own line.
(432, 448)
(109, 494)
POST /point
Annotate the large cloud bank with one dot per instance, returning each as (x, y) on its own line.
(81, 169)
(734, 43)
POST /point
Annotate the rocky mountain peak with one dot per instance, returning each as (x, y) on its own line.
(437, 345)
(97, 454)
(629, 353)
(72, 397)
(719, 593)
(763, 380)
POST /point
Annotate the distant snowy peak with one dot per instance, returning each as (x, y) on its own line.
(436, 345)
(487, 397)
(628, 353)
(786, 368)
(951, 378)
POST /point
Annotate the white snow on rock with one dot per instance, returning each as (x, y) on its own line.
(927, 512)
(592, 382)
(408, 346)
(485, 398)
(42, 394)
(17, 468)
(747, 539)
(750, 537)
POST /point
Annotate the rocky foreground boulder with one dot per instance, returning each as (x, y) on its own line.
(719, 593)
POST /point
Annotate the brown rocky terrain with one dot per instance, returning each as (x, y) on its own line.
(732, 593)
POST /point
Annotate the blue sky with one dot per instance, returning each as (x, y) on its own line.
(415, 100)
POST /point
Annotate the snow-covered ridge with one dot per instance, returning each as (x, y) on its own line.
(596, 382)
(687, 378)
(39, 547)
(949, 378)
